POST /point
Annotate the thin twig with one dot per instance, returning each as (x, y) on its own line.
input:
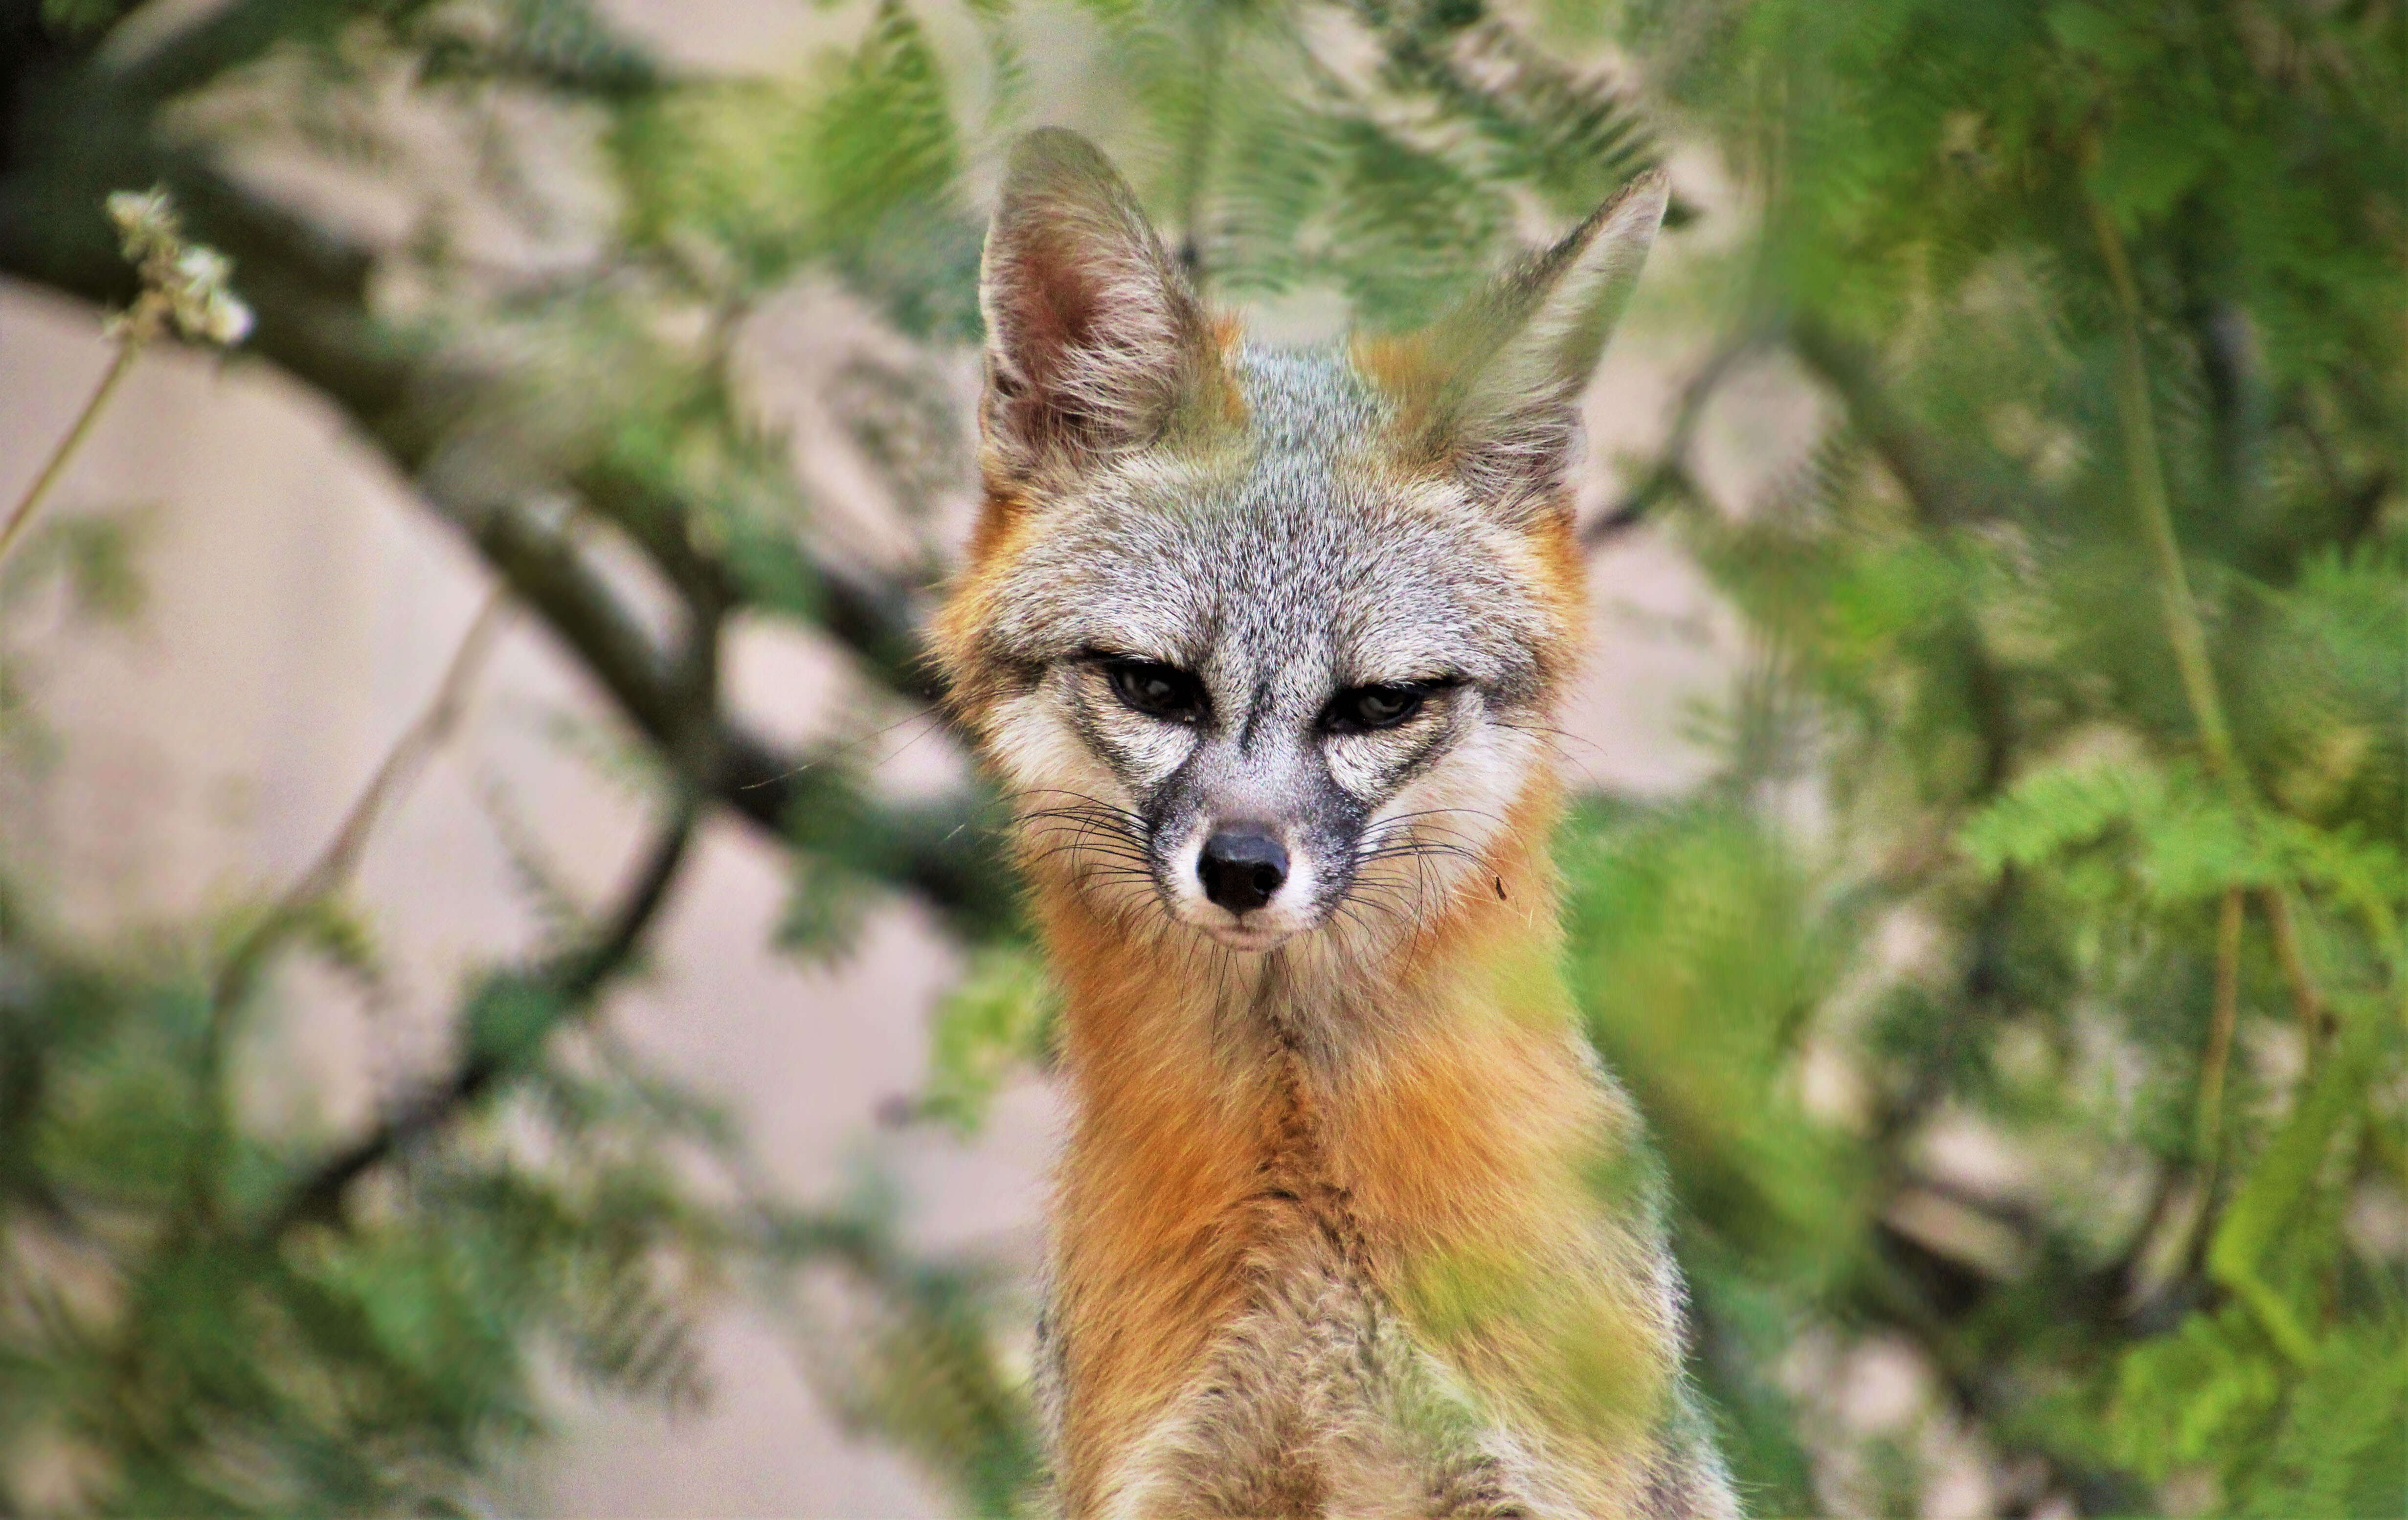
(2233, 367)
(2220, 1033)
(333, 867)
(330, 873)
(2145, 471)
(409, 752)
(324, 336)
(2307, 1003)
(1671, 471)
(128, 349)
(572, 978)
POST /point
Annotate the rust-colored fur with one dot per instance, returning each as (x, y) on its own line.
(1348, 1222)
(1186, 1168)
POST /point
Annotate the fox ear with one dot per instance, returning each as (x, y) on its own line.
(1093, 342)
(1492, 390)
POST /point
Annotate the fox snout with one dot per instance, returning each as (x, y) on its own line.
(1241, 869)
(1247, 881)
(1253, 865)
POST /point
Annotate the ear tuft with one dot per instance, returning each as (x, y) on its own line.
(1493, 390)
(1093, 342)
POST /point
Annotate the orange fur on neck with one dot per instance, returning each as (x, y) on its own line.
(1457, 1133)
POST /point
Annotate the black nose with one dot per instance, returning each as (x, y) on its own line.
(1241, 867)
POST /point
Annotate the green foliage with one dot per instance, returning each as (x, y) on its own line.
(1700, 950)
(997, 1020)
(1701, 943)
(1967, 883)
(857, 170)
(183, 1332)
(188, 1352)
(2185, 840)
(2341, 1442)
(920, 1366)
(1969, 644)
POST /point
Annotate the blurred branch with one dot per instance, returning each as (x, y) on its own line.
(327, 875)
(2146, 471)
(2307, 1003)
(569, 980)
(936, 848)
(2219, 1034)
(409, 752)
(1671, 471)
(1939, 498)
(224, 38)
(2146, 468)
(310, 288)
(1852, 373)
(873, 619)
(128, 347)
(336, 863)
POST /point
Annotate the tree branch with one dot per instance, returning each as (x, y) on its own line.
(2145, 471)
(873, 620)
(325, 876)
(2307, 1003)
(940, 849)
(570, 982)
(1892, 436)
(418, 742)
(2227, 1009)
(223, 40)
(311, 288)
(1671, 471)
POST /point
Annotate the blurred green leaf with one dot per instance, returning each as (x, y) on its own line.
(995, 1021)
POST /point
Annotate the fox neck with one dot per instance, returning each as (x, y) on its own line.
(1430, 1107)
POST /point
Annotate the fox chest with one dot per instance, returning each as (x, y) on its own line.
(1309, 1396)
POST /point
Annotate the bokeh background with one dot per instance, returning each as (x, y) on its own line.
(510, 1001)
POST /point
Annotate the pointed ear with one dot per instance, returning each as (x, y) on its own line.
(1492, 390)
(1093, 342)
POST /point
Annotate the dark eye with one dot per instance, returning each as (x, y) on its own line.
(1158, 691)
(1362, 708)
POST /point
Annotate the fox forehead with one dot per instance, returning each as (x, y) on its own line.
(1303, 542)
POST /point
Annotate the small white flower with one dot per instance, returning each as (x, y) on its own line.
(188, 283)
(228, 322)
(144, 218)
(203, 268)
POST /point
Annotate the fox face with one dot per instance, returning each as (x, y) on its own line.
(1268, 685)
(1265, 644)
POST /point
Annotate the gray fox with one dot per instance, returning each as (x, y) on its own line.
(1264, 647)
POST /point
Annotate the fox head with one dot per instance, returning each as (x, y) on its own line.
(1265, 644)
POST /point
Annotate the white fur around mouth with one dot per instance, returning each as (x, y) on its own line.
(1239, 937)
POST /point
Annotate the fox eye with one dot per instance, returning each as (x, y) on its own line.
(1360, 708)
(1158, 691)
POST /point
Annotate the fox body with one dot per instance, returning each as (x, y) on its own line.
(1264, 645)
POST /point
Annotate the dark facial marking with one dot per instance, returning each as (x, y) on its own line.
(1358, 709)
(1416, 748)
(1157, 690)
